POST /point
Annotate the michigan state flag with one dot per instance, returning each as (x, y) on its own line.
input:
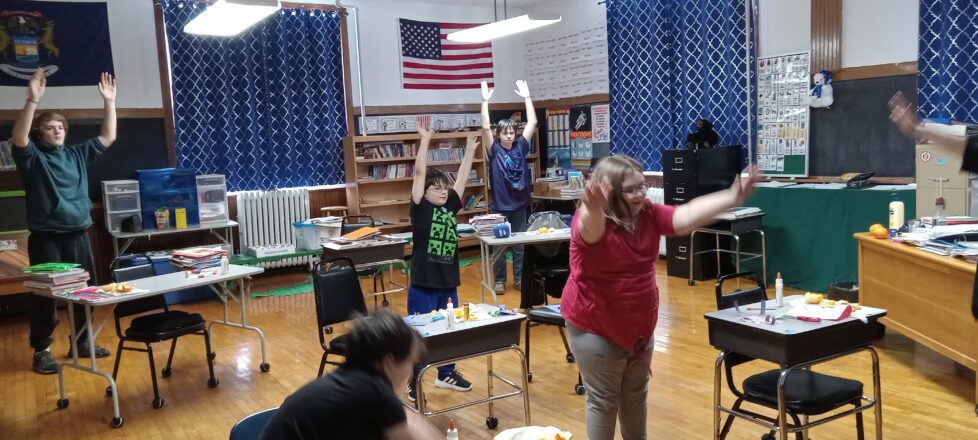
(70, 41)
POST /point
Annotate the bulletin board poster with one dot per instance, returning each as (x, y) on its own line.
(581, 134)
(559, 137)
(783, 115)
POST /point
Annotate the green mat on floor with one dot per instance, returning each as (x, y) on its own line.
(304, 287)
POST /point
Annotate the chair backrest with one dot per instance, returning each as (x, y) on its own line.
(543, 258)
(351, 223)
(740, 296)
(134, 272)
(336, 288)
(252, 425)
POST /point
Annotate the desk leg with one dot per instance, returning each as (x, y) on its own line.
(224, 293)
(716, 394)
(736, 238)
(63, 400)
(692, 254)
(878, 408)
(491, 421)
(489, 256)
(763, 256)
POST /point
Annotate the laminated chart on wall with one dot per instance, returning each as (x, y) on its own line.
(559, 137)
(783, 115)
(563, 65)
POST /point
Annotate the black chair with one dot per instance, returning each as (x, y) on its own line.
(336, 288)
(351, 223)
(806, 392)
(162, 325)
(545, 271)
(252, 425)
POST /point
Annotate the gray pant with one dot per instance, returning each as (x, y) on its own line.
(617, 385)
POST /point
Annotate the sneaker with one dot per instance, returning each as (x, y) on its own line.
(412, 395)
(83, 351)
(500, 288)
(44, 363)
(454, 381)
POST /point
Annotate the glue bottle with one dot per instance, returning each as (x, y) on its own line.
(939, 218)
(224, 265)
(779, 290)
(896, 215)
(452, 432)
(450, 312)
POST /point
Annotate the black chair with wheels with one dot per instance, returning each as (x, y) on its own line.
(155, 323)
(545, 271)
(252, 425)
(806, 392)
(351, 223)
(336, 288)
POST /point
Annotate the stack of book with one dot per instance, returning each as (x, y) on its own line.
(483, 224)
(197, 257)
(50, 282)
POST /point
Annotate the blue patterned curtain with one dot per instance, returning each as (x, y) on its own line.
(947, 83)
(266, 108)
(670, 62)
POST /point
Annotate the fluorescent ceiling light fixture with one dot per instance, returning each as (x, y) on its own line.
(227, 18)
(501, 28)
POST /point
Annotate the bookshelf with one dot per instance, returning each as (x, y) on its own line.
(379, 169)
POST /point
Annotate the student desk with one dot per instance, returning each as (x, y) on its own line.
(928, 296)
(127, 238)
(492, 249)
(576, 200)
(471, 339)
(376, 257)
(157, 285)
(792, 344)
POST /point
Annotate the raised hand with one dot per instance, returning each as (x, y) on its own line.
(36, 85)
(904, 115)
(744, 188)
(486, 92)
(423, 125)
(594, 198)
(522, 89)
(472, 140)
(107, 86)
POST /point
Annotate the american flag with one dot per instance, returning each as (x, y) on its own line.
(430, 61)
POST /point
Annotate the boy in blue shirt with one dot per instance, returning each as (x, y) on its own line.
(508, 175)
(435, 201)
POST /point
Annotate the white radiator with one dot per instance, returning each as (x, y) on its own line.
(265, 218)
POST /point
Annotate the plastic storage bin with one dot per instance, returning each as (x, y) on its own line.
(211, 180)
(212, 198)
(114, 219)
(166, 178)
(306, 236)
(213, 212)
(176, 198)
(114, 186)
(120, 198)
(116, 202)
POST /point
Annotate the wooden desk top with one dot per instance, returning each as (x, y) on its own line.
(915, 252)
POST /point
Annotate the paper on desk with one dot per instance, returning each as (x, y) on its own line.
(834, 313)
(821, 185)
(774, 184)
(909, 186)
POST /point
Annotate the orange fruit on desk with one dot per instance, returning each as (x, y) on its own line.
(876, 226)
(880, 233)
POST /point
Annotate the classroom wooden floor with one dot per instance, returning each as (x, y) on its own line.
(925, 396)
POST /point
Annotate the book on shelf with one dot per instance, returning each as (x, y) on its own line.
(386, 150)
(473, 201)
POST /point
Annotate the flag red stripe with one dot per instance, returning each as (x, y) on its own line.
(444, 86)
(471, 56)
(459, 25)
(447, 77)
(446, 67)
(452, 46)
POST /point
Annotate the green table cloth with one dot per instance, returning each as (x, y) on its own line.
(809, 231)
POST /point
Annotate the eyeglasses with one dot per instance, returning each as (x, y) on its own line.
(439, 188)
(635, 189)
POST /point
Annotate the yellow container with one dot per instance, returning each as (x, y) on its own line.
(181, 217)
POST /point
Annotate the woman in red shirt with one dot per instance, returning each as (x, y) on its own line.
(611, 301)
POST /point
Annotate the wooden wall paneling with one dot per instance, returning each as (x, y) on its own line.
(826, 35)
(875, 71)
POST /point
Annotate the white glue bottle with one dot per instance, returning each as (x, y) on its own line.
(896, 215)
(450, 315)
(779, 290)
(224, 265)
(452, 432)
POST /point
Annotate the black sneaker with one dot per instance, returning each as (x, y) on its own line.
(83, 351)
(412, 395)
(44, 362)
(454, 381)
